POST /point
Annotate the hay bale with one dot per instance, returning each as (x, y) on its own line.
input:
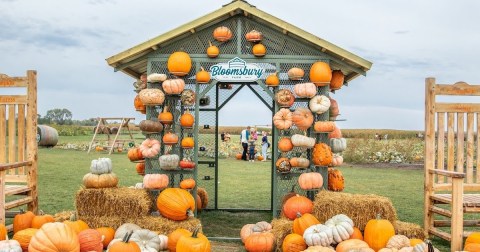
(154, 223)
(63, 216)
(360, 208)
(410, 230)
(281, 228)
(120, 201)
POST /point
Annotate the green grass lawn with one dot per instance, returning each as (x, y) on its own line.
(61, 172)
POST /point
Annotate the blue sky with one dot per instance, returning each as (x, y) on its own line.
(67, 43)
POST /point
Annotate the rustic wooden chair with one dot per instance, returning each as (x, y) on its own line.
(452, 157)
(18, 145)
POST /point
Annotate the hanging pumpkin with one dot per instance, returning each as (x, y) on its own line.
(304, 221)
(90, 240)
(284, 98)
(337, 160)
(156, 77)
(322, 154)
(310, 181)
(297, 204)
(377, 233)
(333, 111)
(138, 104)
(305, 90)
(272, 80)
(140, 168)
(179, 63)
(187, 120)
(39, 220)
(108, 234)
(295, 73)
(299, 162)
(165, 117)
(259, 50)
(336, 181)
(155, 181)
(283, 165)
(320, 74)
(337, 80)
(336, 133)
(169, 162)
(319, 104)
(323, 127)
(152, 96)
(106, 180)
(338, 144)
(188, 143)
(212, 50)
(150, 147)
(222, 34)
(187, 184)
(150, 126)
(187, 97)
(254, 36)
(170, 138)
(186, 163)
(173, 86)
(302, 141)
(202, 76)
(195, 242)
(24, 237)
(283, 119)
(302, 118)
(135, 154)
(285, 144)
(23, 220)
(260, 242)
(175, 204)
(54, 237)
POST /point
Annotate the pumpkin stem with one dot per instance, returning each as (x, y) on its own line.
(190, 213)
(210, 43)
(195, 231)
(41, 213)
(127, 236)
(429, 246)
(165, 109)
(202, 68)
(73, 217)
(299, 215)
(379, 216)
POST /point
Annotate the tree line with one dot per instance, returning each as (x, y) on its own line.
(63, 117)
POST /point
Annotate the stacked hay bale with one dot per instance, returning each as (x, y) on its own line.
(113, 207)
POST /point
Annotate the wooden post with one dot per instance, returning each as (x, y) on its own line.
(94, 135)
(32, 148)
(457, 215)
(429, 149)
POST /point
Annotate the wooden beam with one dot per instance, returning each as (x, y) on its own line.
(13, 99)
(459, 88)
(448, 223)
(457, 107)
(7, 166)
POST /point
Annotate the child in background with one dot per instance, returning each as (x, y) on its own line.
(251, 149)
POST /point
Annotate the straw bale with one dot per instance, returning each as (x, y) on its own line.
(63, 216)
(120, 201)
(281, 228)
(410, 230)
(154, 223)
(359, 207)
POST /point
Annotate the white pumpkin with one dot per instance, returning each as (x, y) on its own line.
(398, 242)
(302, 141)
(156, 77)
(338, 144)
(423, 247)
(147, 240)
(101, 166)
(318, 235)
(125, 228)
(169, 162)
(319, 104)
(305, 90)
(10, 246)
(139, 186)
(342, 227)
(163, 242)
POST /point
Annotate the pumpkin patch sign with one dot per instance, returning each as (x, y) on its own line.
(236, 70)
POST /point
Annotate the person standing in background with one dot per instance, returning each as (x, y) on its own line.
(265, 145)
(244, 136)
(251, 149)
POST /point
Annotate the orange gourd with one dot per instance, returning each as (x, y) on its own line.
(174, 236)
(320, 74)
(272, 80)
(285, 144)
(165, 117)
(357, 234)
(138, 104)
(254, 36)
(302, 118)
(125, 245)
(322, 154)
(297, 204)
(175, 204)
(377, 233)
(222, 34)
(202, 76)
(293, 243)
(41, 219)
(187, 184)
(179, 63)
(260, 242)
(90, 240)
(337, 80)
(170, 138)
(259, 50)
(302, 222)
(24, 237)
(212, 50)
(336, 181)
(108, 234)
(188, 143)
(75, 224)
(187, 120)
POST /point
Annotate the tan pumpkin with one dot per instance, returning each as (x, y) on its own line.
(323, 127)
(155, 181)
(272, 80)
(337, 80)
(299, 162)
(302, 118)
(336, 181)
(259, 50)
(285, 144)
(305, 90)
(202, 76)
(254, 36)
(156, 77)
(246, 231)
(310, 181)
(222, 34)
(320, 74)
(302, 141)
(212, 50)
(283, 119)
(179, 63)
(284, 98)
(337, 160)
(152, 96)
(105, 180)
(295, 73)
(173, 86)
(351, 245)
(398, 242)
(150, 147)
(150, 126)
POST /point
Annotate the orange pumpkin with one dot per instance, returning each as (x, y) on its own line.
(238, 156)
(357, 234)
(351, 245)
(165, 117)
(414, 242)
(295, 73)
(337, 80)
(187, 184)
(90, 240)
(283, 165)
(259, 50)
(179, 63)
(23, 220)
(222, 34)
(135, 154)
(174, 236)
(170, 138)
(193, 243)
(138, 104)
(155, 181)
(320, 74)
(283, 119)
(474, 237)
(108, 234)
(321, 127)
(140, 168)
(310, 180)
(285, 144)
(377, 233)
(75, 224)
(302, 222)
(24, 237)
(40, 219)
(202, 76)
(254, 36)
(187, 120)
(297, 204)
(188, 143)
(302, 118)
(321, 154)
(336, 181)
(472, 247)
(260, 242)
(175, 204)
(293, 243)
(54, 236)
(125, 245)
(272, 80)
(3, 232)
(212, 50)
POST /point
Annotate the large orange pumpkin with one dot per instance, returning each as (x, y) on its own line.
(179, 63)
(90, 240)
(222, 34)
(108, 234)
(23, 220)
(297, 204)
(260, 242)
(302, 222)
(302, 118)
(175, 204)
(195, 242)
(377, 233)
(322, 154)
(293, 243)
(41, 219)
(24, 237)
(474, 237)
(285, 144)
(320, 74)
(54, 236)
(337, 80)
(336, 181)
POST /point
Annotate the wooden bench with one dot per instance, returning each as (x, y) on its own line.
(18, 145)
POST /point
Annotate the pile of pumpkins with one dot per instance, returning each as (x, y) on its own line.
(337, 234)
(41, 233)
(100, 175)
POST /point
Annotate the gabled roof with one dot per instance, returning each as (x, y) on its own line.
(135, 54)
